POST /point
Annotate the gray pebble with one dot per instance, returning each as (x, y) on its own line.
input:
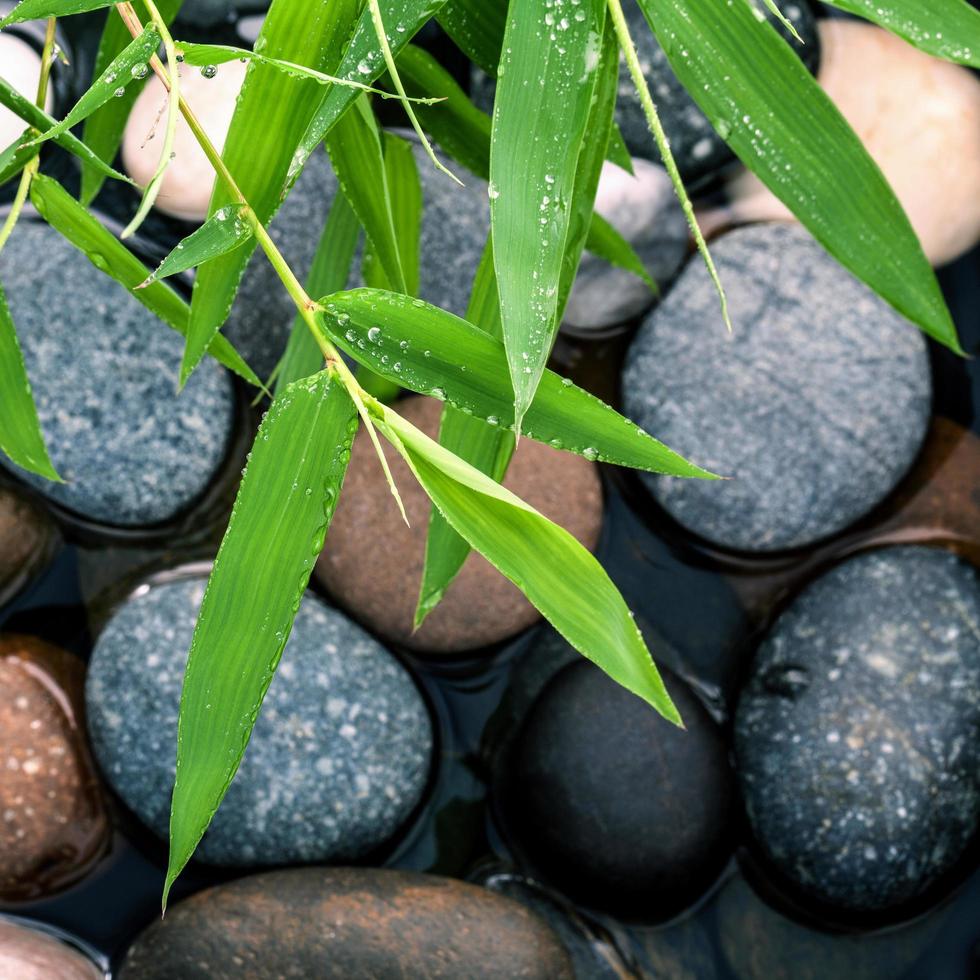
(697, 148)
(856, 734)
(455, 224)
(644, 209)
(338, 759)
(104, 374)
(208, 13)
(816, 404)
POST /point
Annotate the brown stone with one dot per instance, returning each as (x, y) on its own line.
(26, 537)
(53, 822)
(372, 563)
(348, 924)
(26, 954)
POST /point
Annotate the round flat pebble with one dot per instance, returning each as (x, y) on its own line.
(103, 369)
(29, 954)
(816, 404)
(644, 209)
(697, 148)
(856, 733)
(21, 70)
(338, 759)
(185, 191)
(455, 224)
(480, 607)
(934, 175)
(594, 770)
(347, 924)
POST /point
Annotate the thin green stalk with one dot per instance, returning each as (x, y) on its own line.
(32, 165)
(653, 121)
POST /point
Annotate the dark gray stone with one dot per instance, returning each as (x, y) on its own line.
(338, 759)
(104, 374)
(209, 13)
(644, 209)
(816, 404)
(697, 148)
(455, 225)
(594, 769)
(856, 735)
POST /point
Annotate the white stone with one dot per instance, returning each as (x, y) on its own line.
(918, 116)
(186, 189)
(20, 66)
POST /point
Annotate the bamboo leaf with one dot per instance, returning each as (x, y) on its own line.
(225, 230)
(14, 157)
(123, 70)
(547, 74)
(948, 29)
(272, 104)
(784, 20)
(787, 131)
(329, 272)
(452, 360)
(112, 257)
(41, 121)
(477, 27)
(560, 577)
(36, 9)
(20, 431)
(358, 160)
(607, 243)
(277, 528)
(103, 130)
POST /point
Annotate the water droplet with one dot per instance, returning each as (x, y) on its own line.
(120, 92)
(590, 453)
(139, 71)
(209, 71)
(374, 335)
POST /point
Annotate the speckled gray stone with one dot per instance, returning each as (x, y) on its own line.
(644, 209)
(697, 148)
(455, 225)
(816, 404)
(104, 374)
(208, 13)
(856, 734)
(338, 758)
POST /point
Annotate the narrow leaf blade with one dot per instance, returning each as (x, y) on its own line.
(262, 569)
(36, 9)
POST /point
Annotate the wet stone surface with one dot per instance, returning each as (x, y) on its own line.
(348, 924)
(593, 770)
(697, 148)
(338, 759)
(53, 823)
(856, 733)
(28, 954)
(104, 375)
(816, 404)
(26, 537)
(211, 13)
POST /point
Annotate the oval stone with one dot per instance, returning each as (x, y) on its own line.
(347, 924)
(27, 536)
(104, 375)
(338, 759)
(816, 404)
(30, 954)
(856, 732)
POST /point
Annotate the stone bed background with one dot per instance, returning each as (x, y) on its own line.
(506, 762)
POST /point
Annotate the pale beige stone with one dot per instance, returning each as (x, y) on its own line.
(21, 68)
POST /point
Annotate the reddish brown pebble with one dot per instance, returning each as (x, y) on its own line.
(26, 537)
(347, 924)
(53, 823)
(372, 563)
(26, 954)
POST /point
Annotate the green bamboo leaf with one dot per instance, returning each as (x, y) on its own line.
(948, 29)
(477, 28)
(787, 131)
(784, 20)
(20, 431)
(362, 60)
(277, 528)
(127, 67)
(452, 360)
(41, 121)
(36, 9)
(272, 104)
(329, 272)
(618, 153)
(226, 229)
(103, 130)
(358, 160)
(112, 257)
(548, 75)
(15, 156)
(560, 577)
(486, 447)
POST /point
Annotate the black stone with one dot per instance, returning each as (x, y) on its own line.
(856, 734)
(697, 148)
(816, 404)
(614, 805)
